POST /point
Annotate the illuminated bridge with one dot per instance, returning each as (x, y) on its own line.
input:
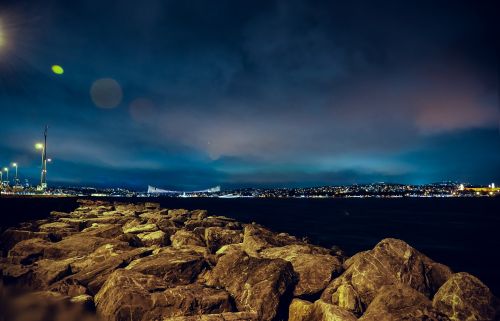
(155, 190)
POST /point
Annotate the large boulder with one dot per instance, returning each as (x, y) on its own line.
(216, 237)
(108, 231)
(28, 251)
(257, 285)
(464, 297)
(313, 267)
(257, 238)
(11, 237)
(129, 295)
(158, 238)
(400, 302)
(183, 238)
(174, 266)
(226, 316)
(93, 270)
(301, 310)
(142, 228)
(391, 262)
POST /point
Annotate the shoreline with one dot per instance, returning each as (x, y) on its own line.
(218, 256)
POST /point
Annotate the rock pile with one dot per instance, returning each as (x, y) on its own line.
(117, 262)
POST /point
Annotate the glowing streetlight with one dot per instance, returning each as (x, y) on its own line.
(15, 166)
(6, 170)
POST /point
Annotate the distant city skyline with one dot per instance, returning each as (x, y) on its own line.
(250, 93)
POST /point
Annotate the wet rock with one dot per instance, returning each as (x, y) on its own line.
(400, 302)
(464, 297)
(258, 285)
(174, 266)
(314, 270)
(391, 262)
(216, 237)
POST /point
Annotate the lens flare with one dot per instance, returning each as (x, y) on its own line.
(106, 93)
(58, 70)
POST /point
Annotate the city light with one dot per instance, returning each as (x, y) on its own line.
(39, 146)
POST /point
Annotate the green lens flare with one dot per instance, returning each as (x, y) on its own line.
(58, 70)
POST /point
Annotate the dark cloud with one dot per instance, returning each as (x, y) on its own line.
(251, 92)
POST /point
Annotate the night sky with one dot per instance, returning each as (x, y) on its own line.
(191, 94)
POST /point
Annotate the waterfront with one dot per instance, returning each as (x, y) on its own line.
(459, 232)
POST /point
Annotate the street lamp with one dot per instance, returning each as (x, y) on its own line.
(6, 169)
(15, 179)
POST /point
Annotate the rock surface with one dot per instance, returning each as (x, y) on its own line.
(118, 261)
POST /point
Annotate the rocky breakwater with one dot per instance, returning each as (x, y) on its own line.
(115, 261)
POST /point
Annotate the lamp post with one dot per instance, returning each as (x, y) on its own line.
(6, 169)
(40, 147)
(15, 178)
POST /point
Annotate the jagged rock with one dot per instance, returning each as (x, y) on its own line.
(257, 238)
(46, 272)
(11, 237)
(314, 269)
(347, 298)
(77, 245)
(257, 285)
(57, 227)
(299, 310)
(118, 252)
(143, 228)
(186, 300)
(184, 238)
(178, 215)
(164, 224)
(28, 251)
(69, 287)
(319, 311)
(216, 237)
(108, 231)
(400, 302)
(129, 295)
(157, 238)
(132, 239)
(226, 316)
(212, 221)
(175, 267)
(93, 270)
(390, 262)
(464, 297)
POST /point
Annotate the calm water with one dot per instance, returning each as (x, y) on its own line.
(462, 233)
